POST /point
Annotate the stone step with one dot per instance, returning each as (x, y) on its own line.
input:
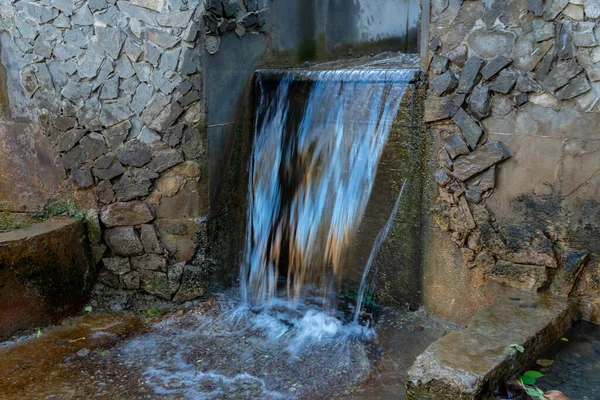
(468, 364)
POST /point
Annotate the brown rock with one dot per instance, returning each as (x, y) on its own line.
(126, 213)
(150, 262)
(484, 157)
(123, 241)
(117, 265)
(528, 277)
(150, 240)
(130, 281)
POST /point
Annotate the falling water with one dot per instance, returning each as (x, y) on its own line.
(378, 242)
(312, 169)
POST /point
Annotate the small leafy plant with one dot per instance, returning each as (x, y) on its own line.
(153, 312)
(529, 377)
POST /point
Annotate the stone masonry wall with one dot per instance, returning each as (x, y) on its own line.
(513, 108)
(117, 87)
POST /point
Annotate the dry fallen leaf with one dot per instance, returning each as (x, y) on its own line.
(555, 395)
(544, 363)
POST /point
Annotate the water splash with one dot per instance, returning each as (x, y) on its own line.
(376, 245)
(312, 169)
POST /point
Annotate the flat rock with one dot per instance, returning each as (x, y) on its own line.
(494, 66)
(505, 81)
(591, 8)
(107, 167)
(560, 75)
(155, 283)
(126, 213)
(117, 265)
(470, 129)
(481, 159)
(521, 276)
(439, 64)
(438, 108)
(584, 35)
(479, 102)
(165, 159)
(444, 84)
(576, 87)
(564, 40)
(127, 189)
(192, 284)
(123, 241)
(469, 74)
(135, 153)
(553, 8)
(455, 145)
(150, 240)
(149, 262)
(466, 364)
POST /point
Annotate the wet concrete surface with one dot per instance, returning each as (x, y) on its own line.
(210, 352)
(576, 364)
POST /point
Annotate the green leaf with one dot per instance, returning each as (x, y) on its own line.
(564, 339)
(38, 334)
(152, 312)
(533, 374)
(517, 347)
(534, 392)
(88, 309)
(526, 380)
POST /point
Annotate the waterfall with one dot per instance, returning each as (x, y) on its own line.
(315, 154)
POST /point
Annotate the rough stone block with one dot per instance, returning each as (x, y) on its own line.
(192, 284)
(126, 213)
(444, 84)
(554, 7)
(564, 40)
(149, 262)
(471, 130)
(576, 87)
(536, 7)
(494, 66)
(584, 35)
(521, 276)
(592, 8)
(117, 265)
(479, 102)
(466, 364)
(561, 75)
(454, 145)
(150, 240)
(505, 81)
(127, 189)
(438, 108)
(123, 241)
(439, 64)
(571, 264)
(165, 159)
(469, 74)
(46, 274)
(481, 159)
(155, 283)
(136, 154)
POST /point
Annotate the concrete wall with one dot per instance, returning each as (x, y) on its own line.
(137, 104)
(110, 93)
(513, 111)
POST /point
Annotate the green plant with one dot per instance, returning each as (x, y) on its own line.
(350, 295)
(529, 377)
(152, 312)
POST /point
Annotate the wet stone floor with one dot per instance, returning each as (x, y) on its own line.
(216, 350)
(576, 364)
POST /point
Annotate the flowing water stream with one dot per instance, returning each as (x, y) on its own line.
(315, 155)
